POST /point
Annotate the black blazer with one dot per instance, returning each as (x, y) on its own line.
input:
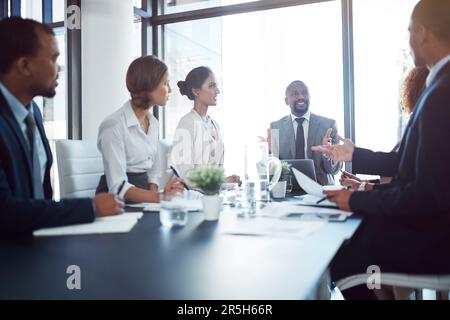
(377, 163)
(19, 212)
(419, 193)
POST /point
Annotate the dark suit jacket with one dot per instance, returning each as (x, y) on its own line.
(283, 144)
(377, 163)
(19, 212)
(409, 222)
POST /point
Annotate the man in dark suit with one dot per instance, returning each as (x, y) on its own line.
(292, 136)
(406, 228)
(28, 68)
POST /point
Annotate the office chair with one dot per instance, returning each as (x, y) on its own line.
(165, 147)
(440, 283)
(80, 166)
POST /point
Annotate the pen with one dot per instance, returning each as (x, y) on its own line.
(178, 176)
(323, 199)
(329, 197)
(121, 187)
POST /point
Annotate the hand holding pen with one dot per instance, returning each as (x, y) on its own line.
(340, 197)
(175, 172)
(108, 204)
(173, 187)
(327, 197)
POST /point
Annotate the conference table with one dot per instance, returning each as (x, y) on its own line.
(188, 263)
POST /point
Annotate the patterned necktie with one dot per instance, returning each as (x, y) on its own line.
(38, 189)
(300, 140)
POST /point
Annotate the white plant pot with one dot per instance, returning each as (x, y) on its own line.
(211, 207)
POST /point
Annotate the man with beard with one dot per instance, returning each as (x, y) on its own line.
(293, 136)
(28, 68)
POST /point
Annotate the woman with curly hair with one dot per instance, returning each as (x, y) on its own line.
(413, 86)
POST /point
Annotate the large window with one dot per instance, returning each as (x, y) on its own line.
(255, 56)
(31, 9)
(174, 6)
(381, 60)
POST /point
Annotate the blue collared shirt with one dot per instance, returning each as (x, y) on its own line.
(20, 113)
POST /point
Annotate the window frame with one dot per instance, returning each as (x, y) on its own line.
(154, 20)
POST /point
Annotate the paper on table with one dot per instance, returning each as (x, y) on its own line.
(272, 228)
(283, 209)
(313, 189)
(191, 205)
(306, 183)
(115, 224)
(309, 199)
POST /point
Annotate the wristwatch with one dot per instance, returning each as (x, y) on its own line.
(362, 186)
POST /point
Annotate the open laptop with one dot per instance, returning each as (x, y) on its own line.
(305, 166)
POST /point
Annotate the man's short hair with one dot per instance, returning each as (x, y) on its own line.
(295, 82)
(435, 15)
(19, 38)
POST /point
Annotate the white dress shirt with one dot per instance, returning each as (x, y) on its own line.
(125, 147)
(305, 124)
(20, 113)
(197, 142)
(435, 70)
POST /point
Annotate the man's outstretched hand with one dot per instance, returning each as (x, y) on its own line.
(337, 152)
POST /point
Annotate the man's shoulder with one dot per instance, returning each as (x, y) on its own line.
(277, 123)
(322, 119)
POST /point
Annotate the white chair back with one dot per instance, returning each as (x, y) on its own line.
(79, 167)
(165, 147)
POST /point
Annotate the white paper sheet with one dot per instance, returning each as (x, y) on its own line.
(270, 227)
(307, 184)
(115, 224)
(309, 199)
(191, 205)
(282, 210)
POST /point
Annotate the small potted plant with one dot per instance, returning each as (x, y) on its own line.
(208, 180)
(285, 168)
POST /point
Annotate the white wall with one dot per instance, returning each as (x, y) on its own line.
(108, 44)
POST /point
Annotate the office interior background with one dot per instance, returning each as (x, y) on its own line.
(353, 55)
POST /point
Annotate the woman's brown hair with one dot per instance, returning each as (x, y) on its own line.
(413, 86)
(143, 76)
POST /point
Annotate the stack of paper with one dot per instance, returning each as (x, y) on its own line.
(115, 224)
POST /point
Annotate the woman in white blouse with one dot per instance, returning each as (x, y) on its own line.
(198, 139)
(128, 138)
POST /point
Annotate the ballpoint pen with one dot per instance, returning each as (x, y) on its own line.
(178, 176)
(121, 187)
(323, 199)
(331, 196)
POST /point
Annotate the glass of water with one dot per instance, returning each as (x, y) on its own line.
(288, 179)
(229, 191)
(174, 211)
